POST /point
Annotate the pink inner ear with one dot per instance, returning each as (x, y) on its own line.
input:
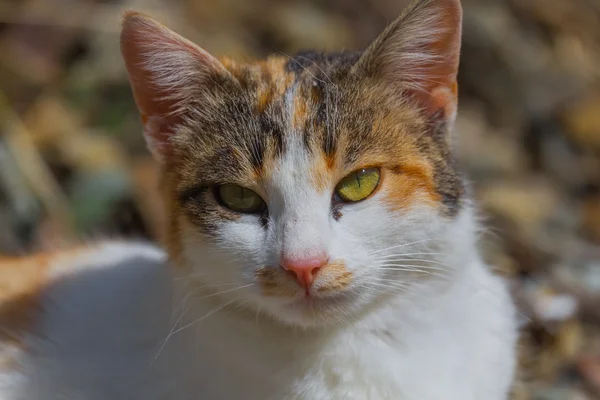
(438, 83)
(442, 88)
(439, 98)
(139, 33)
(157, 133)
(166, 73)
(419, 54)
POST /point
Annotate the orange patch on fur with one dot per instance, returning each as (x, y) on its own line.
(177, 221)
(333, 277)
(454, 88)
(300, 112)
(330, 161)
(270, 77)
(21, 283)
(274, 282)
(411, 183)
(321, 174)
(229, 64)
(275, 69)
(265, 97)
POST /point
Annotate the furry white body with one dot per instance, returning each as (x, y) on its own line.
(401, 306)
(457, 344)
(100, 336)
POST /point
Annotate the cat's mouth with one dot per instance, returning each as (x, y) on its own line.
(331, 280)
(315, 302)
(327, 300)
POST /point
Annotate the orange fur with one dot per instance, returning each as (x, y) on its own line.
(275, 282)
(335, 275)
(321, 174)
(299, 118)
(22, 282)
(409, 184)
(265, 97)
(175, 217)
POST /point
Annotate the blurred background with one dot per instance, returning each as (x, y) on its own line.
(73, 162)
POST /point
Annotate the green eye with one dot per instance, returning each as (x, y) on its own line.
(240, 199)
(358, 185)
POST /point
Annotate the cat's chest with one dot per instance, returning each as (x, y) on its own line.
(382, 366)
(368, 365)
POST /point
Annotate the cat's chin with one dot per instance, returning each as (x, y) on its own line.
(311, 311)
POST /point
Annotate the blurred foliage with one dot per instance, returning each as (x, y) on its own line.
(73, 162)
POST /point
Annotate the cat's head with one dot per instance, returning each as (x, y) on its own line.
(308, 186)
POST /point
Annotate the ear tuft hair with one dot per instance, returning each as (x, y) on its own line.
(166, 73)
(419, 54)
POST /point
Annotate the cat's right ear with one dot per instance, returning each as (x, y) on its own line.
(418, 55)
(166, 73)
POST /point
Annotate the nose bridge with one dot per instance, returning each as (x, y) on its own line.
(301, 211)
(304, 233)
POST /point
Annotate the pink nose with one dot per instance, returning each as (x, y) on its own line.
(304, 270)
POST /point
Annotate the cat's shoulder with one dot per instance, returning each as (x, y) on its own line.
(43, 292)
(85, 320)
(31, 275)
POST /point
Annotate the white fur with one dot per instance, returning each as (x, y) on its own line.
(101, 318)
(422, 319)
(449, 335)
(101, 334)
(115, 327)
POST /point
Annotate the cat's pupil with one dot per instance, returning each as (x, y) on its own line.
(358, 176)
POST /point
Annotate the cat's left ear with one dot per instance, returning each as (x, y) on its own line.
(419, 54)
(169, 75)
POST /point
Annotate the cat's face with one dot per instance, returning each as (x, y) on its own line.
(311, 186)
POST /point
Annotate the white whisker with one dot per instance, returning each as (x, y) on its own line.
(390, 288)
(226, 291)
(420, 260)
(164, 343)
(211, 312)
(184, 302)
(422, 267)
(409, 254)
(401, 245)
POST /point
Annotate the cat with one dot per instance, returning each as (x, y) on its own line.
(321, 242)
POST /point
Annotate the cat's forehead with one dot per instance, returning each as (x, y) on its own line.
(279, 72)
(310, 105)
